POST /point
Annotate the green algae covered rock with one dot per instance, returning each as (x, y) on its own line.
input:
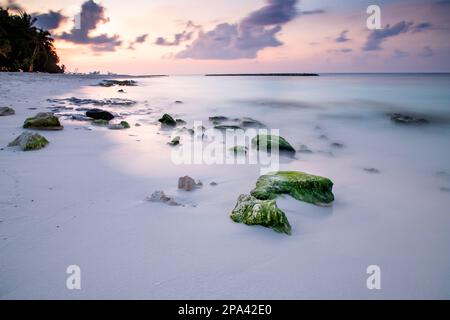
(29, 141)
(301, 186)
(100, 122)
(270, 141)
(238, 149)
(168, 120)
(125, 124)
(43, 121)
(252, 211)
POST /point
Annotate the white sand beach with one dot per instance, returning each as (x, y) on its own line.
(81, 199)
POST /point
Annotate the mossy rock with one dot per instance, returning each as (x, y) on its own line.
(6, 111)
(125, 124)
(100, 122)
(301, 186)
(272, 141)
(252, 211)
(168, 120)
(29, 141)
(43, 121)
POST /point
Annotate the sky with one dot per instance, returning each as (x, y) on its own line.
(204, 36)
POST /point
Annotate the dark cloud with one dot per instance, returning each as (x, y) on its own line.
(309, 12)
(426, 52)
(138, 40)
(50, 20)
(91, 15)
(377, 37)
(399, 54)
(178, 38)
(342, 37)
(422, 27)
(258, 30)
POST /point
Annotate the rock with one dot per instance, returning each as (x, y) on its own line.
(227, 127)
(239, 149)
(337, 145)
(301, 186)
(43, 121)
(121, 91)
(6, 111)
(167, 120)
(180, 121)
(371, 170)
(252, 211)
(110, 102)
(323, 137)
(29, 141)
(100, 122)
(160, 196)
(178, 101)
(406, 119)
(119, 126)
(175, 141)
(213, 183)
(137, 124)
(217, 119)
(99, 114)
(304, 149)
(110, 83)
(251, 123)
(79, 117)
(188, 184)
(272, 140)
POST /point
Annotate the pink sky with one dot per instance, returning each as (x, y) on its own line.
(258, 36)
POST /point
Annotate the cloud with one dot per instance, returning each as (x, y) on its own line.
(244, 39)
(178, 38)
(50, 20)
(138, 40)
(310, 12)
(13, 5)
(426, 52)
(342, 37)
(377, 37)
(91, 15)
(423, 26)
(399, 54)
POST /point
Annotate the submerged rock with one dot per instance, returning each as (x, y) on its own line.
(175, 141)
(188, 184)
(160, 196)
(6, 111)
(100, 122)
(253, 211)
(99, 114)
(371, 170)
(110, 83)
(213, 183)
(119, 126)
(79, 102)
(301, 186)
(43, 121)
(406, 119)
(227, 127)
(304, 149)
(218, 119)
(180, 121)
(121, 91)
(29, 141)
(272, 141)
(167, 120)
(251, 123)
(337, 145)
(178, 101)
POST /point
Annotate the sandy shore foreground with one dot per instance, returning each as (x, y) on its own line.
(81, 201)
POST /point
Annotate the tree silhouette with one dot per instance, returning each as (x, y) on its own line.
(24, 47)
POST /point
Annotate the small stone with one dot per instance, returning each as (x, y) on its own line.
(160, 196)
(180, 121)
(175, 141)
(6, 111)
(304, 149)
(267, 142)
(43, 121)
(213, 183)
(178, 101)
(137, 124)
(406, 119)
(337, 145)
(188, 184)
(100, 122)
(372, 170)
